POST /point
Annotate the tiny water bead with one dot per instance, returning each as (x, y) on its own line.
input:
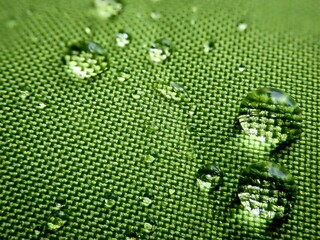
(86, 59)
(137, 94)
(209, 178)
(25, 92)
(271, 116)
(57, 220)
(266, 189)
(242, 26)
(124, 74)
(107, 8)
(160, 50)
(110, 201)
(208, 46)
(147, 199)
(151, 157)
(241, 68)
(123, 38)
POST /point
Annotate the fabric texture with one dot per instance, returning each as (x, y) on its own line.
(94, 140)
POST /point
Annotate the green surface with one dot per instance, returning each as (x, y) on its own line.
(88, 139)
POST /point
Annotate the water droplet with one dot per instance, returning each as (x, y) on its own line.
(131, 235)
(60, 202)
(174, 92)
(209, 178)
(57, 220)
(270, 115)
(86, 59)
(267, 190)
(124, 75)
(25, 92)
(241, 68)
(208, 46)
(160, 50)
(123, 38)
(194, 9)
(41, 105)
(149, 226)
(110, 201)
(147, 199)
(242, 26)
(137, 94)
(107, 8)
(88, 31)
(155, 15)
(151, 157)
(38, 230)
(11, 23)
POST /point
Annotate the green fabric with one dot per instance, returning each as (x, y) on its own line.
(84, 139)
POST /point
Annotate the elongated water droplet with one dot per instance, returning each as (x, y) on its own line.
(267, 190)
(155, 15)
(174, 92)
(107, 8)
(209, 178)
(123, 38)
(86, 59)
(160, 50)
(124, 75)
(271, 116)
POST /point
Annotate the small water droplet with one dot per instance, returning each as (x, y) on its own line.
(270, 116)
(194, 9)
(147, 199)
(137, 94)
(38, 230)
(241, 68)
(11, 23)
(57, 220)
(208, 46)
(209, 178)
(132, 235)
(149, 226)
(25, 92)
(242, 26)
(86, 59)
(88, 31)
(160, 50)
(155, 15)
(266, 189)
(174, 92)
(110, 201)
(124, 75)
(123, 38)
(107, 8)
(41, 105)
(151, 157)
(60, 202)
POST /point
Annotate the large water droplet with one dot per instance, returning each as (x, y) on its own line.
(60, 202)
(147, 199)
(107, 8)
(209, 178)
(86, 59)
(123, 38)
(57, 220)
(160, 50)
(270, 115)
(267, 190)
(124, 75)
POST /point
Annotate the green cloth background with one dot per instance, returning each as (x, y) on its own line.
(92, 138)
